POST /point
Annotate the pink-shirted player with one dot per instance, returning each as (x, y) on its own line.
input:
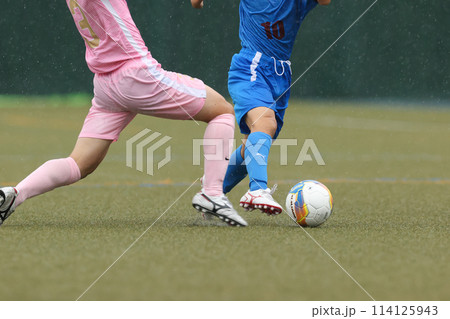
(127, 82)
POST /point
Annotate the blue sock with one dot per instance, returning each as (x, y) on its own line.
(236, 171)
(256, 154)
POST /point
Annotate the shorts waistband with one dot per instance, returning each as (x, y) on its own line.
(279, 66)
(264, 58)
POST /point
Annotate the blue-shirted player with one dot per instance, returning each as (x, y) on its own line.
(259, 82)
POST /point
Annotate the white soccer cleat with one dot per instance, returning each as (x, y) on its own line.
(8, 197)
(261, 199)
(218, 206)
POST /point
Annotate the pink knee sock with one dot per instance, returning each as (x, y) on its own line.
(219, 133)
(50, 175)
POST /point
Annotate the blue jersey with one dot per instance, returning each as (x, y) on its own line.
(270, 26)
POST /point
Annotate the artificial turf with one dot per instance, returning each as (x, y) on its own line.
(388, 169)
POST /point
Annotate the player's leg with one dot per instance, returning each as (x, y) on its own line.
(263, 127)
(48, 176)
(99, 130)
(101, 127)
(254, 88)
(262, 124)
(85, 158)
(215, 105)
(253, 97)
(87, 154)
(219, 115)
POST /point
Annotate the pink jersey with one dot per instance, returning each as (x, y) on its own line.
(109, 32)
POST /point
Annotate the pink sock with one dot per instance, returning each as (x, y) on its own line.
(220, 131)
(48, 176)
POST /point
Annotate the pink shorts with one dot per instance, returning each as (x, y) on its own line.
(140, 87)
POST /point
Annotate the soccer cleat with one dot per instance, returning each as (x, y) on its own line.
(261, 199)
(218, 206)
(8, 197)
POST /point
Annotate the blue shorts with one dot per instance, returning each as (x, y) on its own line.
(256, 80)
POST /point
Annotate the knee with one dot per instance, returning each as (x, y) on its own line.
(88, 170)
(86, 167)
(88, 153)
(266, 123)
(221, 110)
(228, 108)
(224, 107)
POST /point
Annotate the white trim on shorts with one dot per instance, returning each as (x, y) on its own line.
(151, 67)
(254, 65)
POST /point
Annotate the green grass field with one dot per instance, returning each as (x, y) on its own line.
(388, 170)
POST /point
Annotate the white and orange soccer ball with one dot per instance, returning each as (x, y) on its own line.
(309, 203)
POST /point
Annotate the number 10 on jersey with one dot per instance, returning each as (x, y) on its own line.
(275, 30)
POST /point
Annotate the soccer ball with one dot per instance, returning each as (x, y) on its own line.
(309, 203)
